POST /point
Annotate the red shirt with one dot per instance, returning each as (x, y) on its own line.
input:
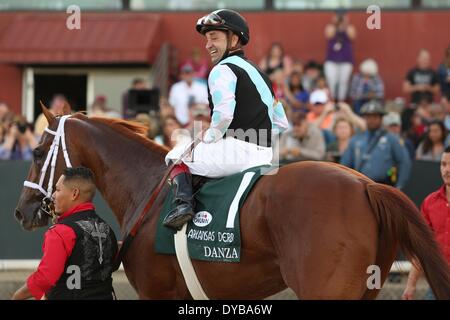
(436, 211)
(59, 241)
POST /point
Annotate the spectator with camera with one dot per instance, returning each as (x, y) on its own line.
(339, 60)
(19, 141)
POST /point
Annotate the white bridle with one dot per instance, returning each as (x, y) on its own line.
(52, 156)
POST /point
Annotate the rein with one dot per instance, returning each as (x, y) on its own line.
(133, 231)
(130, 236)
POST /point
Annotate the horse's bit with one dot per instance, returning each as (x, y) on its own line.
(59, 139)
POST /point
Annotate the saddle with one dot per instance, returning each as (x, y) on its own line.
(214, 232)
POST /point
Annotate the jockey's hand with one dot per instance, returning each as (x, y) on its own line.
(200, 135)
(211, 135)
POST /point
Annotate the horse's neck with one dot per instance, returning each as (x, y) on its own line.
(126, 171)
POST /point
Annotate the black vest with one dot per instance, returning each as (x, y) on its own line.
(250, 111)
(92, 264)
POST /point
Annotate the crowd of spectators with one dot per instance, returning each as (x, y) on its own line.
(323, 101)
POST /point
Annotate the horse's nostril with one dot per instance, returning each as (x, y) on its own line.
(18, 215)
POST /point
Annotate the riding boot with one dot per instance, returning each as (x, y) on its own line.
(183, 200)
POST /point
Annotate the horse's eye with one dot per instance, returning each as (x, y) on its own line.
(37, 154)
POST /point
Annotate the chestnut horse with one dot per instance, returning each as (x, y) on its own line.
(314, 227)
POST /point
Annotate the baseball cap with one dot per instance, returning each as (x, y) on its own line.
(318, 96)
(186, 68)
(392, 118)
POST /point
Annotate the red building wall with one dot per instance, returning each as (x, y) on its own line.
(394, 46)
(11, 86)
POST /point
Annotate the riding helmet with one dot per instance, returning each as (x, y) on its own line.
(225, 19)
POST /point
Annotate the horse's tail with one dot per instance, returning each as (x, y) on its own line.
(400, 221)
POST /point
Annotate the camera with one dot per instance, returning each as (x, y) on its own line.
(21, 126)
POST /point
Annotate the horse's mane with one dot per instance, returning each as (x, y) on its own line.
(129, 129)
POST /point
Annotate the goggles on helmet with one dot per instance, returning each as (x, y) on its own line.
(211, 19)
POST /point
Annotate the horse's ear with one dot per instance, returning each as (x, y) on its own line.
(67, 109)
(50, 117)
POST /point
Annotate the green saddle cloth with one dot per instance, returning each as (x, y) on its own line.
(214, 232)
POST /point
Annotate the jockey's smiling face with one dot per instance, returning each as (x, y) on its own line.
(216, 44)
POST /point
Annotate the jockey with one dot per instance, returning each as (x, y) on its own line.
(244, 114)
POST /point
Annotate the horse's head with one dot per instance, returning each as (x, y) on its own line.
(49, 161)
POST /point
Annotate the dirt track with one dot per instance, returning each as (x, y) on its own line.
(11, 280)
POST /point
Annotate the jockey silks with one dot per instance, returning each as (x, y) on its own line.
(244, 115)
(253, 98)
(91, 260)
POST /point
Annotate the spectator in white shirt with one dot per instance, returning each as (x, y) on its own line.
(185, 93)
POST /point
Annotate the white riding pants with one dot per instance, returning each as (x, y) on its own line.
(222, 158)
